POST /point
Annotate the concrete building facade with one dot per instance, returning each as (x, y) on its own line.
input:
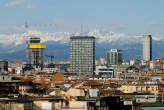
(82, 54)
(140, 88)
(147, 47)
(104, 71)
(114, 57)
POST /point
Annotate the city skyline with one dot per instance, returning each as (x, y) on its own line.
(81, 54)
(46, 18)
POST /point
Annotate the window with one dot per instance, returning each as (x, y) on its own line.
(147, 89)
(131, 88)
(142, 89)
(136, 89)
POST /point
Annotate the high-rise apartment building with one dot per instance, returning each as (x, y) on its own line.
(114, 57)
(147, 47)
(82, 54)
(35, 52)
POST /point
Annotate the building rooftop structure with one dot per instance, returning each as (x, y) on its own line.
(35, 52)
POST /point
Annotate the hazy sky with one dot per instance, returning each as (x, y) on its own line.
(125, 16)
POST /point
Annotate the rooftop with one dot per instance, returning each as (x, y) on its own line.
(82, 37)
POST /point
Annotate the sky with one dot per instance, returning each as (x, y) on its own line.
(132, 17)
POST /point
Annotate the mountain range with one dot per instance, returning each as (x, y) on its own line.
(12, 46)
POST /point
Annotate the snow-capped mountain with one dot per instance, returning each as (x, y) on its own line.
(13, 46)
(63, 37)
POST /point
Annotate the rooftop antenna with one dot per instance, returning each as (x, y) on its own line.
(87, 29)
(81, 29)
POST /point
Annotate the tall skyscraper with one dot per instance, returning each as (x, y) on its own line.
(35, 52)
(82, 54)
(114, 57)
(147, 47)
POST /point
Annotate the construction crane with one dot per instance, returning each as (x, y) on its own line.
(26, 38)
(41, 26)
(26, 32)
